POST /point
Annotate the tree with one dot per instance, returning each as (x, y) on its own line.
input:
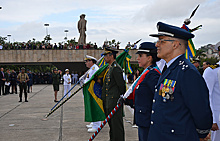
(73, 41)
(47, 38)
(200, 54)
(2, 40)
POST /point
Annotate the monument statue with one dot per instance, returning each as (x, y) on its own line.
(82, 30)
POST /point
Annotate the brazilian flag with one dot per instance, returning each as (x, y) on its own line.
(92, 92)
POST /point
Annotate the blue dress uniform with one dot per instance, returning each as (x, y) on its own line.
(144, 95)
(186, 116)
(143, 91)
(180, 110)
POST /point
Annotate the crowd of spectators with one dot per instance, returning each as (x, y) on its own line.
(30, 45)
(72, 46)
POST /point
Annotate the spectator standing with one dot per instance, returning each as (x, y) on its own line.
(55, 46)
(95, 46)
(2, 81)
(13, 78)
(30, 82)
(7, 81)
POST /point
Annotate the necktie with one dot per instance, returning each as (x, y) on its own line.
(164, 68)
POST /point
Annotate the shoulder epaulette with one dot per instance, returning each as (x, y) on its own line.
(214, 66)
(183, 65)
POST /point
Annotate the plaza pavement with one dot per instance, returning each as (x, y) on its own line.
(23, 121)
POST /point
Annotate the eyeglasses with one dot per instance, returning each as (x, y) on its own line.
(160, 41)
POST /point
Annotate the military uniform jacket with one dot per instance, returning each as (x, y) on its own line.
(211, 77)
(67, 79)
(91, 71)
(144, 95)
(113, 86)
(56, 78)
(188, 116)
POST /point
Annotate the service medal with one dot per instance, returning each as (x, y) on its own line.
(170, 91)
(163, 90)
(167, 96)
(167, 90)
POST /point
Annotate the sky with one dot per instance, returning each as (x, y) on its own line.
(122, 20)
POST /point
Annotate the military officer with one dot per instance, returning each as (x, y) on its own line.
(211, 76)
(67, 82)
(113, 87)
(90, 62)
(56, 81)
(181, 109)
(143, 88)
(23, 79)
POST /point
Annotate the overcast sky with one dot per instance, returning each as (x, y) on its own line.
(123, 20)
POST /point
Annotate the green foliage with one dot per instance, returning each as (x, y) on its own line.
(200, 54)
(2, 40)
(32, 68)
(47, 38)
(73, 41)
(212, 60)
(113, 42)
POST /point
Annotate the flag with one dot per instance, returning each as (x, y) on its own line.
(92, 93)
(128, 65)
(190, 51)
(102, 62)
(92, 98)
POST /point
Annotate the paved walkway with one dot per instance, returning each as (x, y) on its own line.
(23, 121)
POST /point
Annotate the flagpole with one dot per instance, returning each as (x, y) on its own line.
(105, 121)
(80, 79)
(52, 111)
(127, 93)
(64, 96)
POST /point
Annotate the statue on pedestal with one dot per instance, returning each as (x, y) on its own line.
(82, 30)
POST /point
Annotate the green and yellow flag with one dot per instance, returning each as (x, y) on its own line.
(92, 93)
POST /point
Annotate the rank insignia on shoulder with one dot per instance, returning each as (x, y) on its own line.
(93, 68)
(87, 75)
(214, 66)
(167, 89)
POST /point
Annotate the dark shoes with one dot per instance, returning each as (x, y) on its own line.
(20, 101)
(26, 101)
(56, 101)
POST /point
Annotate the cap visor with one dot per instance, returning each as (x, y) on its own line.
(140, 52)
(157, 35)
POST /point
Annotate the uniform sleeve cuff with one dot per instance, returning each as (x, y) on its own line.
(203, 133)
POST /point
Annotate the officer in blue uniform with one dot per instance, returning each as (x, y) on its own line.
(143, 88)
(181, 109)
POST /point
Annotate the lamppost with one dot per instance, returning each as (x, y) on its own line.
(66, 34)
(9, 37)
(46, 25)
